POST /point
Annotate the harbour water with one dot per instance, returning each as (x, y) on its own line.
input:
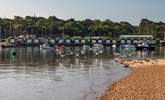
(37, 74)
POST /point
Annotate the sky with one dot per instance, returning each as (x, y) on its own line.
(115, 10)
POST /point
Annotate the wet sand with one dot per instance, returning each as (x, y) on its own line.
(146, 82)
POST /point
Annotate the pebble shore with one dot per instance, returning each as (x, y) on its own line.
(146, 82)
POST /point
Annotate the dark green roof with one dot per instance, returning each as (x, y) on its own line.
(135, 37)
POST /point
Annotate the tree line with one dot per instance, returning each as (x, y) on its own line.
(54, 27)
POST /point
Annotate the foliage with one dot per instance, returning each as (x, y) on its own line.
(52, 27)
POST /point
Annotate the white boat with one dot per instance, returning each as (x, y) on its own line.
(98, 48)
(85, 49)
(45, 46)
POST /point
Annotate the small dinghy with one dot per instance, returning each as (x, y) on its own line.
(45, 46)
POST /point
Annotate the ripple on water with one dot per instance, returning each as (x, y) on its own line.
(40, 76)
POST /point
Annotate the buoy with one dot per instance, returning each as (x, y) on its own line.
(13, 52)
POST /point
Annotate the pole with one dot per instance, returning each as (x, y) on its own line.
(51, 29)
(10, 29)
(164, 35)
(0, 33)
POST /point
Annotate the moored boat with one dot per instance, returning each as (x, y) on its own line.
(145, 46)
(45, 46)
(6, 45)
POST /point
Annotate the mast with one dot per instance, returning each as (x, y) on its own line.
(0, 33)
(10, 34)
(164, 35)
(51, 29)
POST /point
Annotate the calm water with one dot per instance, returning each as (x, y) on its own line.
(36, 74)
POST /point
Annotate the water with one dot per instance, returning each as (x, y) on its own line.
(157, 54)
(36, 74)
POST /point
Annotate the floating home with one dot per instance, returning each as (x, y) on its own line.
(60, 41)
(123, 39)
(135, 39)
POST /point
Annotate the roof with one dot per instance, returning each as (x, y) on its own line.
(135, 36)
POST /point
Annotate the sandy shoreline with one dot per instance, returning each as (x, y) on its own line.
(146, 82)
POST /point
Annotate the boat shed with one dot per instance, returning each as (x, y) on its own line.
(136, 37)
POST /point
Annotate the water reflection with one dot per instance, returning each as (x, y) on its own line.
(37, 74)
(37, 56)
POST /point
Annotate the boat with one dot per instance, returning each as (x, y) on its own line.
(127, 47)
(98, 48)
(162, 44)
(141, 48)
(145, 46)
(45, 46)
(6, 45)
(85, 49)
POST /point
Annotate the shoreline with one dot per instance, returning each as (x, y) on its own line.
(146, 81)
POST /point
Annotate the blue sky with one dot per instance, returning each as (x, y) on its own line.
(115, 10)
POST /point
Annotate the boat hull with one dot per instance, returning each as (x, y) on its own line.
(141, 48)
